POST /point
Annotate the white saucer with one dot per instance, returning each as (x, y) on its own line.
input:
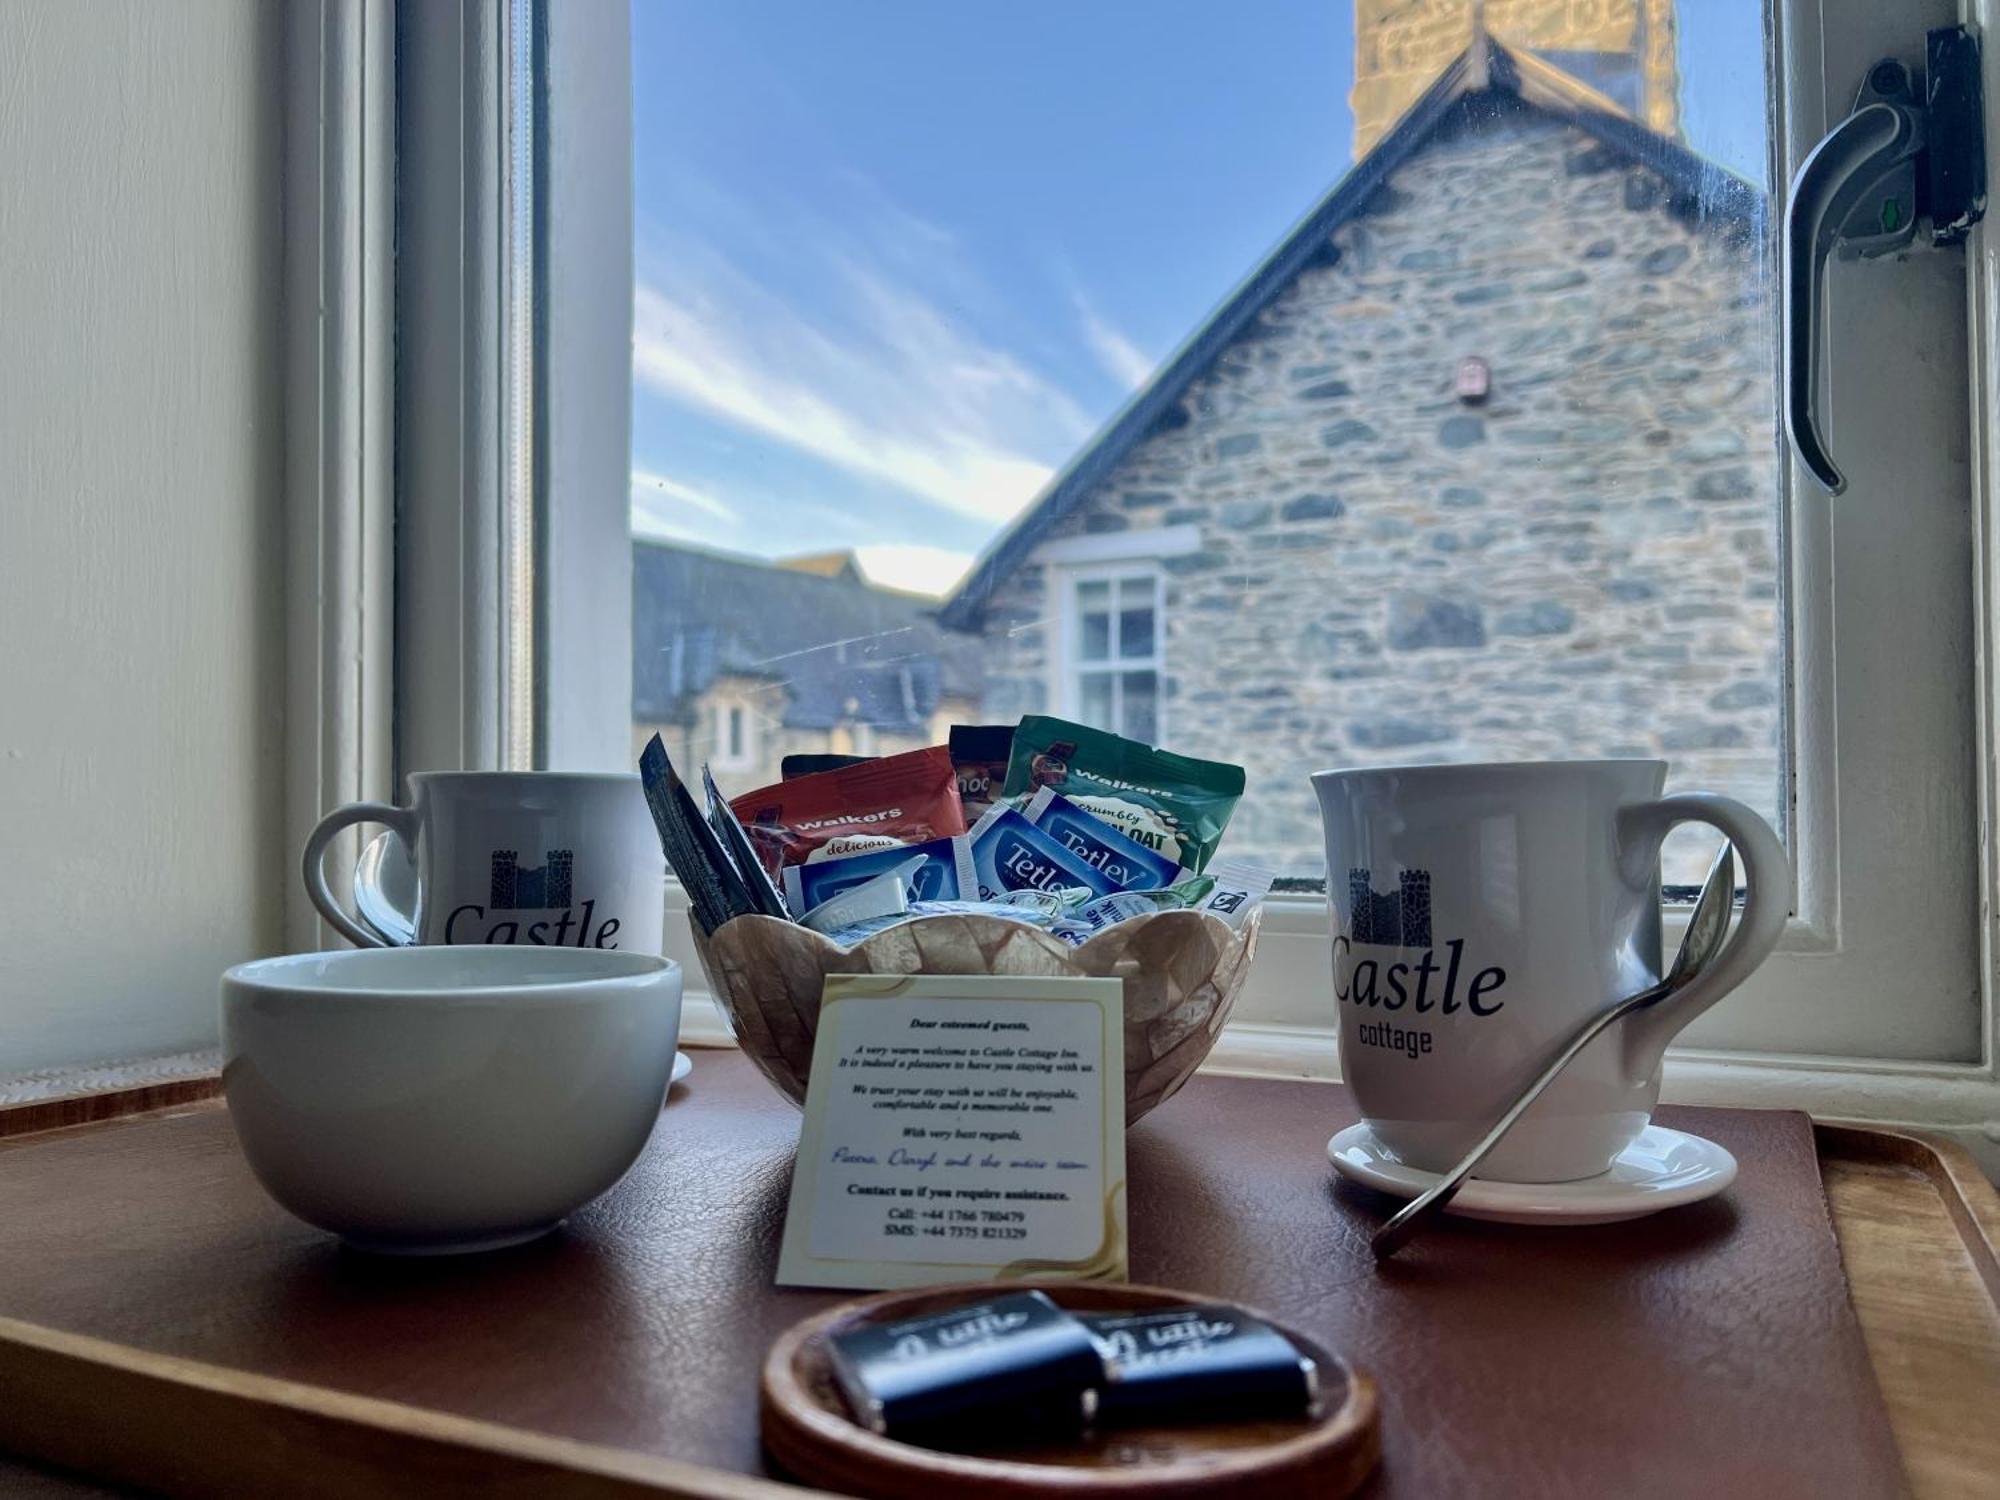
(1662, 1169)
(683, 1066)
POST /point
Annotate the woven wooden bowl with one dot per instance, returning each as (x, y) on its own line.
(1181, 969)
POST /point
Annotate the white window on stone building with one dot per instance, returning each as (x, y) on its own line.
(1112, 652)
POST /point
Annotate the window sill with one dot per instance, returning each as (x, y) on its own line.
(1960, 1101)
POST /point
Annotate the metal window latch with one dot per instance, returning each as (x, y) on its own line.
(1896, 163)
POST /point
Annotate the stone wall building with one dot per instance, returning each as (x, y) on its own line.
(738, 663)
(1480, 464)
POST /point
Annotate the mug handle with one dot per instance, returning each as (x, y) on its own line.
(1767, 878)
(401, 820)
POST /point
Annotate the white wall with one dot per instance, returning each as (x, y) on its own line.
(140, 705)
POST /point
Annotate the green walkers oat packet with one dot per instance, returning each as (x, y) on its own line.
(1172, 803)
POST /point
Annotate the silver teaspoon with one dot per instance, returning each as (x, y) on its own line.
(1699, 945)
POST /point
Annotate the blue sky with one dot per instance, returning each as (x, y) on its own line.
(897, 259)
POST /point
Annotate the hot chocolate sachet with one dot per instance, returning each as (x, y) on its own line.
(811, 763)
(979, 753)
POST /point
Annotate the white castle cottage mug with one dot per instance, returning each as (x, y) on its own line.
(547, 858)
(1481, 914)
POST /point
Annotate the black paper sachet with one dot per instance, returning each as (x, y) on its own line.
(716, 891)
(1203, 1363)
(1007, 1370)
(736, 843)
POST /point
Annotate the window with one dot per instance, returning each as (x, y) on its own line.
(1577, 554)
(1111, 675)
(735, 736)
(1414, 400)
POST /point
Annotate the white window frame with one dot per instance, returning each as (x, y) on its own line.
(340, 380)
(1813, 1029)
(1069, 665)
(469, 437)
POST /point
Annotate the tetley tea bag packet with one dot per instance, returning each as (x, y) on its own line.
(1173, 804)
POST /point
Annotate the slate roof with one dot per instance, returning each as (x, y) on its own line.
(1487, 76)
(845, 652)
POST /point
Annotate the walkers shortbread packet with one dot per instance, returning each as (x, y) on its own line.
(900, 799)
(1173, 804)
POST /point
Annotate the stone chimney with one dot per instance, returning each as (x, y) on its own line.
(1623, 48)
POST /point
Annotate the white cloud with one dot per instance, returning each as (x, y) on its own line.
(654, 494)
(914, 569)
(663, 506)
(1120, 357)
(877, 379)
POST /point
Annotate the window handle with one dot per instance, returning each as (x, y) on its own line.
(1855, 195)
(1861, 192)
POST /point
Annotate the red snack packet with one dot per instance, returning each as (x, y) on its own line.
(899, 799)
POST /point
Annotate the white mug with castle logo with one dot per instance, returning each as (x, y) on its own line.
(546, 858)
(1481, 914)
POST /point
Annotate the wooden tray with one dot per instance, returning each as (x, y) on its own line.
(1916, 1226)
(807, 1428)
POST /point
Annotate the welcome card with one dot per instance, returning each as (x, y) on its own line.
(960, 1128)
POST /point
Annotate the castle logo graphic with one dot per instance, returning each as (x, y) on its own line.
(1401, 919)
(541, 889)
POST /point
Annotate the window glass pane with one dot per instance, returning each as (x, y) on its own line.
(1482, 465)
(1139, 706)
(1135, 632)
(1095, 701)
(1094, 637)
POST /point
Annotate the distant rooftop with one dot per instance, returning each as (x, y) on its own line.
(842, 564)
(843, 651)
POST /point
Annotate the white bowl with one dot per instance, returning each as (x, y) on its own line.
(443, 1099)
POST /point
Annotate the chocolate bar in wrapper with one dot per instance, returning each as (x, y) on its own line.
(1016, 1367)
(1211, 1362)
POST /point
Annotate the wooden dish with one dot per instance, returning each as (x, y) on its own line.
(808, 1432)
(1182, 971)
